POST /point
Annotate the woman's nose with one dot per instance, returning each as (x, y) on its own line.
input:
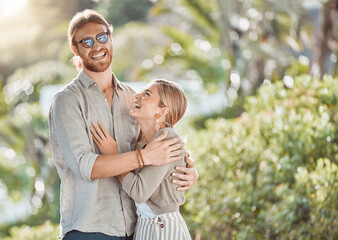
(138, 96)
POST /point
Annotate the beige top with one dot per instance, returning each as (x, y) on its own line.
(91, 205)
(152, 184)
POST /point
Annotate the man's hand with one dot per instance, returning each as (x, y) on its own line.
(103, 140)
(189, 176)
(160, 151)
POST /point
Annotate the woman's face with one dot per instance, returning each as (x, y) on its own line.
(146, 104)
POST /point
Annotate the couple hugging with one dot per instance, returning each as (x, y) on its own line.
(122, 166)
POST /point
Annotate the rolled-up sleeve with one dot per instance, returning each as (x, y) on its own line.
(69, 130)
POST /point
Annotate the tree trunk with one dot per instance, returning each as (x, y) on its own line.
(322, 51)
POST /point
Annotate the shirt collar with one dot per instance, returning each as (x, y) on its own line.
(87, 81)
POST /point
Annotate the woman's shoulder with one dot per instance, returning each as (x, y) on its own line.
(171, 132)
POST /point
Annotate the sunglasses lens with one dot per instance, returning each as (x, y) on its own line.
(88, 43)
(102, 38)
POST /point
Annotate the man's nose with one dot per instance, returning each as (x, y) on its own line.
(138, 96)
(95, 44)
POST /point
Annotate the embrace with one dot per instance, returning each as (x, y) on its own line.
(123, 168)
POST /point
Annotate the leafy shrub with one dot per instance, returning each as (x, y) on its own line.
(272, 172)
(47, 231)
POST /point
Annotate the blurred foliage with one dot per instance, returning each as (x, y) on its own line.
(119, 13)
(130, 51)
(272, 172)
(223, 40)
(36, 34)
(25, 84)
(199, 122)
(25, 157)
(47, 231)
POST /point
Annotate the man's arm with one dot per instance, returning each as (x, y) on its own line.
(68, 132)
(159, 151)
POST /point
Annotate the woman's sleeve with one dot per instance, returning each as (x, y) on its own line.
(141, 186)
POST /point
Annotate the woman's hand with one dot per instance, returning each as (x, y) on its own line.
(102, 139)
(189, 176)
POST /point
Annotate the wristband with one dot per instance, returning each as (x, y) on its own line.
(139, 158)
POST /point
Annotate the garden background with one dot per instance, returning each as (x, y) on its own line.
(267, 157)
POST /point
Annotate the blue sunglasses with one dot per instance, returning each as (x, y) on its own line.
(88, 42)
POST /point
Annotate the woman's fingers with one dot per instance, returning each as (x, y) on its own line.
(95, 135)
(96, 141)
(98, 130)
(104, 130)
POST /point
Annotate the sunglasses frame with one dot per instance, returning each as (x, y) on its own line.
(92, 39)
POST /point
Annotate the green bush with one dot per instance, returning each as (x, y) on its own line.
(272, 172)
(47, 231)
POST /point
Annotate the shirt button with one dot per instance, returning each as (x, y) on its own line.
(159, 219)
(162, 225)
(105, 99)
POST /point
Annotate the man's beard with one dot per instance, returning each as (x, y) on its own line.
(98, 66)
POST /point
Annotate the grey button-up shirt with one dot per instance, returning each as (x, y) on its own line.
(87, 205)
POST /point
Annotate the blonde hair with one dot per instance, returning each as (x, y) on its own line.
(78, 21)
(173, 97)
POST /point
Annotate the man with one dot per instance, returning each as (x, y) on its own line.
(92, 203)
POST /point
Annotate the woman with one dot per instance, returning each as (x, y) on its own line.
(158, 108)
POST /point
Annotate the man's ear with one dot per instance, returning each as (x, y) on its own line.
(75, 50)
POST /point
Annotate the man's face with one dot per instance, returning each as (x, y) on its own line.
(98, 57)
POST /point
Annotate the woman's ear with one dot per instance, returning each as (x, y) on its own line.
(157, 115)
(164, 111)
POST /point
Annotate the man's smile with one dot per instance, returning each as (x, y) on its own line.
(98, 56)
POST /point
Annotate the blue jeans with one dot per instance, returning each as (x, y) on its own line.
(77, 235)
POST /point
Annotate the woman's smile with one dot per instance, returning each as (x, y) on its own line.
(146, 103)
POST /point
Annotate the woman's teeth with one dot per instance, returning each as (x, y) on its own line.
(137, 105)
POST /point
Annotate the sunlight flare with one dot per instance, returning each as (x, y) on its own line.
(9, 7)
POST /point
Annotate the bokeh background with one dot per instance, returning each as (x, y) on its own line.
(261, 78)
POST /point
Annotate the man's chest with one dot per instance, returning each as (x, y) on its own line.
(114, 117)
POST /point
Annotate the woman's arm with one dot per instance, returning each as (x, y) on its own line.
(142, 185)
